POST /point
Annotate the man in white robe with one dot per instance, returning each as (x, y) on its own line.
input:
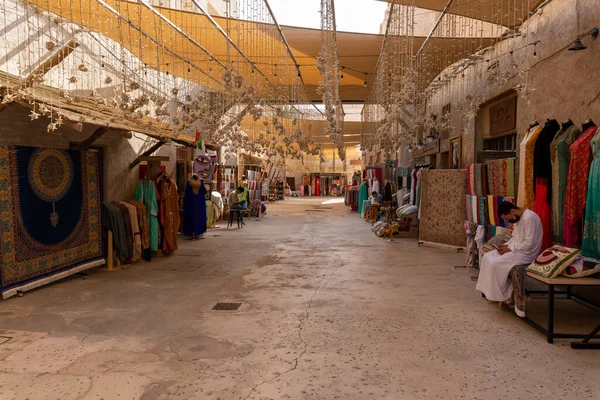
(524, 246)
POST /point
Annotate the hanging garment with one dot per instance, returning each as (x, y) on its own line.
(318, 186)
(217, 200)
(542, 168)
(145, 193)
(210, 214)
(413, 187)
(194, 209)
(170, 216)
(525, 245)
(362, 196)
(560, 173)
(376, 187)
(113, 221)
(526, 181)
(577, 186)
(387, 192)
(591, 232)
(142, 215)
(137, 240)
(128, 228)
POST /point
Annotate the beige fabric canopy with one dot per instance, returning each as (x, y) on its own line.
(505, 13)
(201, 53)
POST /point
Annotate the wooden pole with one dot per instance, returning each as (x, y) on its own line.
(151, 150)
(110, 259)
(47, 65)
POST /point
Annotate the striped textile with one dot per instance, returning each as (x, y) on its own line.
(492, 203)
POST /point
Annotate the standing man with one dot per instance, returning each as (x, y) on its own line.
(524, 246)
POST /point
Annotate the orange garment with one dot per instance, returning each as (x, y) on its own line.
(526, 184)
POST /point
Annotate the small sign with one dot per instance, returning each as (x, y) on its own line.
(356, 161)
(503, 117)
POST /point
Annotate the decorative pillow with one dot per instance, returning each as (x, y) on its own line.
(580, 269)
(565, 256)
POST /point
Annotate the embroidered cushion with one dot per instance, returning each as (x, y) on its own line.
(549, 266)
(580, 269)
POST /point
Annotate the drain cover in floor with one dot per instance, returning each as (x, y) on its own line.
(227, 306)
(4, 339)
(316, 210)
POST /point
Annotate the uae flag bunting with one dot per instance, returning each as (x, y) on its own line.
(199, 143)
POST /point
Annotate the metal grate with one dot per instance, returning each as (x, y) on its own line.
(4, 339)
(315, 210)
(227, 306)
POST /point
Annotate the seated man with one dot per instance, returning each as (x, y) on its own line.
(375, 198)
(237, 203)
(524, 246)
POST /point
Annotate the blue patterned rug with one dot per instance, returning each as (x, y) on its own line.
(50, 215)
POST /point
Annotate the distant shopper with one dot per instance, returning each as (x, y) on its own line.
(236, 202)
(375, 198)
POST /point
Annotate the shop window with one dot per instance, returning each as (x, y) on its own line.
(502, 143)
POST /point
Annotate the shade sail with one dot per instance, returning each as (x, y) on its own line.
(178, 50)
(505, 13)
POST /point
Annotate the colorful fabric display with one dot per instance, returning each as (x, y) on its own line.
(553, 261)
(477, 181)
(501, 177)
(494, 217)
(477, 209)
(493, 231)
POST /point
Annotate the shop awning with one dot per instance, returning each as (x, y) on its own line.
(87, 111)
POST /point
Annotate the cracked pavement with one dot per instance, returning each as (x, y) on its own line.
(329, 312)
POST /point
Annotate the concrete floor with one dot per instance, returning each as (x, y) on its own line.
(329, 312)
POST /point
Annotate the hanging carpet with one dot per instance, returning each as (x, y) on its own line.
(50, 216)
(443, 207)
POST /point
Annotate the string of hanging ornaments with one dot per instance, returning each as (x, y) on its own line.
(166, 70)
(329, 87)
(473, 49)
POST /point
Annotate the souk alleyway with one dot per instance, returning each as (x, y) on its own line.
(329, 312)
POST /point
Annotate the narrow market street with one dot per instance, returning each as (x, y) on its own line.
(322, 317)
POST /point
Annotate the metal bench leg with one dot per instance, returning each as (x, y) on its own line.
(550, 329)
(585, 343)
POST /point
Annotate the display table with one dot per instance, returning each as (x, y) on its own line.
(569, 283)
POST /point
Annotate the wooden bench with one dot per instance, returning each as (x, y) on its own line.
(569, 283)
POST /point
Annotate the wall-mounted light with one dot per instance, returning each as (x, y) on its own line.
(430, 138)
(410, 148)
(420, 145)
(577, 45)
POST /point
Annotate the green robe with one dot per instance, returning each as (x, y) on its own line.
(362, 196)
(563, 160)
(145, 193)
